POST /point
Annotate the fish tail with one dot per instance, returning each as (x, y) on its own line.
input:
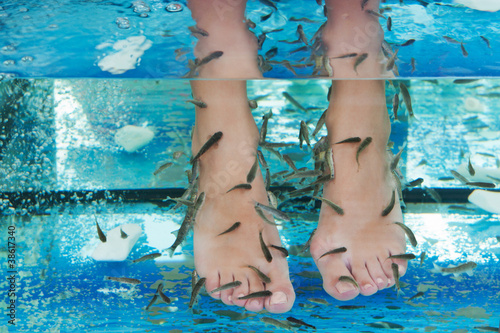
(400, 292)
(171, 251)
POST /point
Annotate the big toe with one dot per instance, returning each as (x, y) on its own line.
(331, 270)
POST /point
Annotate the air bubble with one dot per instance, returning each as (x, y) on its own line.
(9, 48)
(144, 15)
(27, 59)
(23, 10)
(123, 23)
(140, 7)
(9, 62)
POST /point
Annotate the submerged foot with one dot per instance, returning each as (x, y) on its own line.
(364, 191)
(223, 249)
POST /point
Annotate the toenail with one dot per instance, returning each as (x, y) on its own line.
(278, 298)
(254, 303)
(367, 286)
(230, 298)
(344, 287)
(380, 281)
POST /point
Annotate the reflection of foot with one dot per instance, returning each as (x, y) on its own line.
(225, 258)
(363, 194)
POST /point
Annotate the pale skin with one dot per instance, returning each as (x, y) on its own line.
(358, 110)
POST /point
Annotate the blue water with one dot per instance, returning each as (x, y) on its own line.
(68, 38)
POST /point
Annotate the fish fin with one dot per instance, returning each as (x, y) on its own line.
(175, 232)
(400, 292)
(436, 268)
(170, 251)
(469, 273)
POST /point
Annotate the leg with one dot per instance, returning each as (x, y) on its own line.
(223, 259)
(358, 109)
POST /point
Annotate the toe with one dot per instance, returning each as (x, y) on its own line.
(377, 273)
(282, 298)
(212, 282)
(242, 290)
(254, 304)
(331, 270)
(365, 282)
(226, 295)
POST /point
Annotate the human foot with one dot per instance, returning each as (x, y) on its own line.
(363, 193)
(226, 257)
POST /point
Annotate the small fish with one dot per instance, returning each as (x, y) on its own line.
(177, 154)
(351, 307)
(345, 278)
(123, 235)
(263, 216)
(300, 322)
(362, 57)
(244, 186)
(196, 291)
(320, 123)
(253, 171)
(348, 55)
(231, 228)
(408, 42)
(350, 140)
(395, 273)
(487, 328)
(227, 286)
(412, 63)
(258, 294)
(461, 208)
(163, 297)
(328, 67)
(162, 167)
(101, 234)
(289, 161)
(334, 251)
(376, 14)
(252, 104)
(153, 300)
(390, 206)
(261, 275)
(263, 130)
(464, 81)
(276, 144)
(458, 176)
(272, 199)
(198, 31)
(250, 24)
(363, 4)
(262, 160)
(389, 23)
(277, 323)
(464, 51)
(406, 98)
(273, 211)
(423, 255)
(150, 256)
(392, 60)
(472, 172)
(409, 233)
(486, 41)
(293, 101)
(123, 280)
(466, 268)
(300, 49)
(260, 40)
(265, 249)
(301, 19)
(403, 256)
(481, 184)
(318, 301)
(362, 147)
(271, 52)
(335, 207)
(329, 162)
(212, 56)
(308, 243)
(419, 294)
(451, 40)
(199, 104)
(302, 35)
(416, 182)
(210, 142)
(305, 132)
(395, 160)
(281, 249)
(266, 17)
